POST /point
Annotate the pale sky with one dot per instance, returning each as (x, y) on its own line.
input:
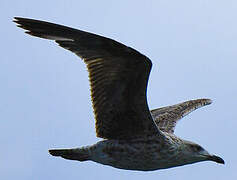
(45, 99)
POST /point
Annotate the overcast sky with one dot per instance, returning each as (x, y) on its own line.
(45, 99)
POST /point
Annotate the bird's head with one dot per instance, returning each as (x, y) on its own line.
(193, 152)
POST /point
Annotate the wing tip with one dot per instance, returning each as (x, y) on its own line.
(18, 19)
(205, 101)
(54, 152)
(19, 22)
(15, 19)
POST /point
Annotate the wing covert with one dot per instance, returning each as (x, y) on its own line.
(167, 117)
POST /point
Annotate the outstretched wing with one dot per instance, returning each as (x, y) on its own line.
(118, 78)
(167, 117)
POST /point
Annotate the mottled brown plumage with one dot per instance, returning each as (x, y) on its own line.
(167, 117)
(135, 138)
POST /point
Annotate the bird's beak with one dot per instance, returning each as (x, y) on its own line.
(217, 159)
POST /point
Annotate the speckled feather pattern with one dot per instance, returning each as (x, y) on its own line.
(138, 154)
(167, 117)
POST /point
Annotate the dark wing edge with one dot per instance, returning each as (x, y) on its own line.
(118, 78)
(167, 117)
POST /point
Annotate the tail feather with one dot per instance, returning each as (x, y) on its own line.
(79, 154)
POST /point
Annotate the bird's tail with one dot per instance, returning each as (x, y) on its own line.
(79, 154)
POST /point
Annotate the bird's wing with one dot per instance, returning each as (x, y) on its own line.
(167, 117)
(118, 77)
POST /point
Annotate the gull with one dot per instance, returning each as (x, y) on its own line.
(134, 138)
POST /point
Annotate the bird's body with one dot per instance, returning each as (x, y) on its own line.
(136, 154)
(135, 138)
(144, 154)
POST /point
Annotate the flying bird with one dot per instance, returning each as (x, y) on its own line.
(134, 138)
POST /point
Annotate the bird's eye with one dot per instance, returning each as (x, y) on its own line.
(197, 148)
